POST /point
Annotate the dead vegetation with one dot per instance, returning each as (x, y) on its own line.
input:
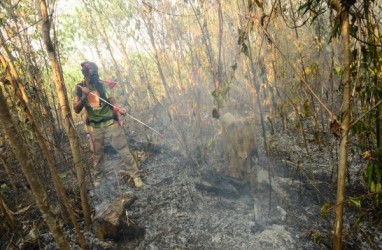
(195, 201)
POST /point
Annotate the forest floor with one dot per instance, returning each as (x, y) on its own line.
(290, 207)
(184, 205)
(188, 205)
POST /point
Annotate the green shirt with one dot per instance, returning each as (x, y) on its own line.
(99, 113)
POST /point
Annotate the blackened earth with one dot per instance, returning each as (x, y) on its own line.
(189, 204)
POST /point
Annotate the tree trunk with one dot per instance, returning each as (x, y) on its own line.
(374, 61)
(56, 179)
(345, 127)
(207, 42)
(26, 162)
(257, 88)
(65, 111)
(150, 31)
(219, 77)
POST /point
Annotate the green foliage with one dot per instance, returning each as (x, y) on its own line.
(325, 209)
(219, 95)
(336, 30)
(312, 69)
(338, 71)
(316, 236)
(3, 189)
(355, 202)
(72, 76)
(361, 127)
(379, 198)
(218, 101)
(307, 110)
(373, 177)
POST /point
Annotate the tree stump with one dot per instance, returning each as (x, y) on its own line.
(114, 222)
(239, 140)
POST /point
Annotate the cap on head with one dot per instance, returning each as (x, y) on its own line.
(89, 68)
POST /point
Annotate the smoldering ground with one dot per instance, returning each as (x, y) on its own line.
(190, 201)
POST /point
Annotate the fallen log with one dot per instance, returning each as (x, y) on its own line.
(114, 222)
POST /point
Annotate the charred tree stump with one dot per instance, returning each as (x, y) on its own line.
(114, 221)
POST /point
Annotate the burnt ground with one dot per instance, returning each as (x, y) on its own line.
(186, 206)
(187, 203)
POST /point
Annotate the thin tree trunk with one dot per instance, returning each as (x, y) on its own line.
(149, 26)
(373, 57)
(39, 107)
(56, 179)
(345, 127)
(26, 162)
(65, 112)
(219, 78)
(207, 41)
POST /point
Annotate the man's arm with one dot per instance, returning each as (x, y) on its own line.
(116, 109)
(79, 102)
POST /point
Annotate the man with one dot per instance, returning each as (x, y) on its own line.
(96, 98)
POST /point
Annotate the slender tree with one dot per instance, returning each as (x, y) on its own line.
(56, 179)
(25, 159)
(345, 124)
(65, 110)
(150, 28)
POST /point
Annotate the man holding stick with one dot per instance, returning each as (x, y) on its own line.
(102, 113)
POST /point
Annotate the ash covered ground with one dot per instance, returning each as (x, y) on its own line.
(193, 206)
(187, 203)
(184, 205)
(184, 208)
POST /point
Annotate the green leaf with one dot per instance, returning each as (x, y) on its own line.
(355, 201)
(3, 187)
(378, 173)
(378, 187)
(379, 198)
(316, 238)
(336, 30)
(360, 219)
(372, 186)
(337, 71)
(62, 175)
(324, 210)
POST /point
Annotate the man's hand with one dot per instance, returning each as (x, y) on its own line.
(85, 91)
(122, 111)
(79, 101)
(117, 110)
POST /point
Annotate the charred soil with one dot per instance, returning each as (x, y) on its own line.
(188, 203)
